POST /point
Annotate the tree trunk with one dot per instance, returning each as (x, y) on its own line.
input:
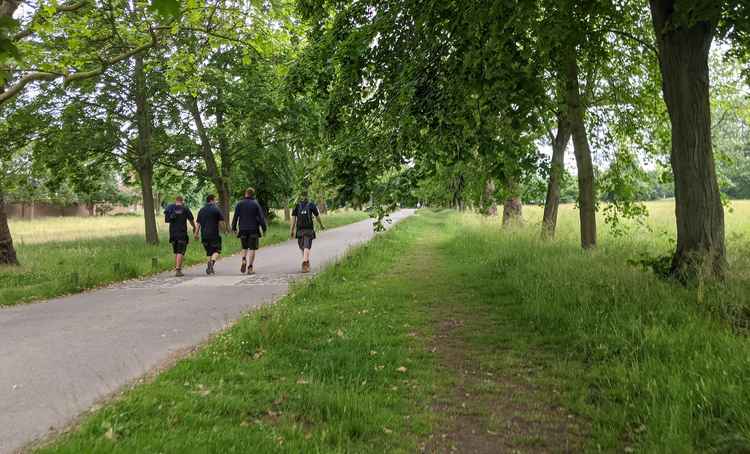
(683, 52)
(489, 204)
(225, 192)
(144, 159)
(225, 201)
(149, 207)
(512, 207)
(287, 214)
(576, 116)
(323, 207)
(557, 166)
(7, 251)
(212, 167)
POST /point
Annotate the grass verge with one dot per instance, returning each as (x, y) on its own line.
(450, 334)
(56, 268)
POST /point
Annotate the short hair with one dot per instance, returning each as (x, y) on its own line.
(179, 199)
(210, 198)
(305, 193)
(249, 192)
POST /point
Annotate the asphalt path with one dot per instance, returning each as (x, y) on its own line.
(59, 357)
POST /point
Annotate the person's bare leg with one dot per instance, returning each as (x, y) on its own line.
(243, 267)
(178, 264)
(306, 255)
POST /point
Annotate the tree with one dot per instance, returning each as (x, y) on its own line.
(684, 33)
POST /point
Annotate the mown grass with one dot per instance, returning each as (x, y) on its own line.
(645, 363)
(99, 251)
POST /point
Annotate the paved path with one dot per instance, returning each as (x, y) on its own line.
(58, 358)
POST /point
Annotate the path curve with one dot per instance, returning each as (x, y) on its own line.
(58, 358)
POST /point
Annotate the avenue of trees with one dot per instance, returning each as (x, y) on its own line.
(464, 92)
(372, 103)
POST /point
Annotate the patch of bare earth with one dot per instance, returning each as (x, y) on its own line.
(499, 401)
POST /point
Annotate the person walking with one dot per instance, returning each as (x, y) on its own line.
(303, 228)
(177, 215)
(252, 225)
(209, 220)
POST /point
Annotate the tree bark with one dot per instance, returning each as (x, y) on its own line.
(149, 208)
(287, 214)
(144, 159)
(224, 189)
(7, 251)
(582, 151)
(683, 59)
(512, 206)
(212, 167)
(489, 204)
(557, 165)
(323, 207)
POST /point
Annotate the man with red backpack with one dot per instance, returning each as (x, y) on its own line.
(303, 228)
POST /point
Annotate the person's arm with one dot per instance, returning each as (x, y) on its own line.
(190, 219)
(222, 223)
(197, 230)
(292, 227)
(167, 215)
(262, 219)
(316, 213)
(235, 218)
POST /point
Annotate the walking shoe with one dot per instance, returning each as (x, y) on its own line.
(305, 267)
(243, 267)
(178, 273)
(250, 270)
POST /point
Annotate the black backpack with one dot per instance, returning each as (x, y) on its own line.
(304, 216)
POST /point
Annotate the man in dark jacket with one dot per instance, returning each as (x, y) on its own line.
(252, 225)
(209, 226)
(177, 215)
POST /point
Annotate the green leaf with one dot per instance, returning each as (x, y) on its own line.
(166, 8)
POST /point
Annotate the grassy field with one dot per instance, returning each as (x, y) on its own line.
(66, 255)
(449, 334)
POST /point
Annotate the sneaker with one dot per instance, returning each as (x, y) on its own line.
(243, 267)
(178, 273)
(250, 270)
(305, 267)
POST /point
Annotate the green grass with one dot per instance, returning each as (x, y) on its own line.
(318, 372)
(99, 251)
(637, 361)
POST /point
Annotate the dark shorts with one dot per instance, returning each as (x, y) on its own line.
(305, 238)
(212, 246)
(249, 240)
(179, 245)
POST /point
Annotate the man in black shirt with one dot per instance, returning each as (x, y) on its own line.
(177, 215)
(252, 224)
(209, 220)
(304, 227)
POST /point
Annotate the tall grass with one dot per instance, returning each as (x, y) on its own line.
(666, 366)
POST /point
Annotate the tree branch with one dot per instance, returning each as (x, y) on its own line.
(640, 41)
(66, 8)
(16, 88)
